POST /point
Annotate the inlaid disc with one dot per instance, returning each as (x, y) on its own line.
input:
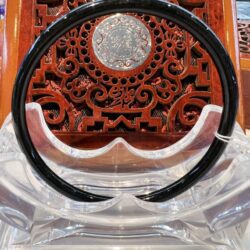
(121, 42)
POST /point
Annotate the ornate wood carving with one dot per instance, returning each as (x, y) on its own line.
(244, 37)
(160, 100)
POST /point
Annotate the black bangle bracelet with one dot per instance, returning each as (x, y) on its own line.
(96, 9)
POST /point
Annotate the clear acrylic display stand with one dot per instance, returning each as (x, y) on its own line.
(213, 214)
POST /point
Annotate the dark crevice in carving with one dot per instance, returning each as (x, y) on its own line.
(51, 3)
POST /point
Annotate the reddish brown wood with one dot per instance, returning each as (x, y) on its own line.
(159, 101)
(246, 96)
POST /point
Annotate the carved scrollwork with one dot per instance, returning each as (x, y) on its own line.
(57, 114)
(67, 67)
(167, 90)
(77, 89)
(186, 111)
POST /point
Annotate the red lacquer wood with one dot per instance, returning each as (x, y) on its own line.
(160, 100)
(178, 79)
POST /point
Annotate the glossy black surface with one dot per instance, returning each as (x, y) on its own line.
(104, 7)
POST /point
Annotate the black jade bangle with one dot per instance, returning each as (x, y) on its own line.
(96, 9)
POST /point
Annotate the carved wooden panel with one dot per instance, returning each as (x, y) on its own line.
(244, 37)
(244, 44)
(160, 100)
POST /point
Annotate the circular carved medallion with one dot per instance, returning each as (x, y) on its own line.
(121, 42)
